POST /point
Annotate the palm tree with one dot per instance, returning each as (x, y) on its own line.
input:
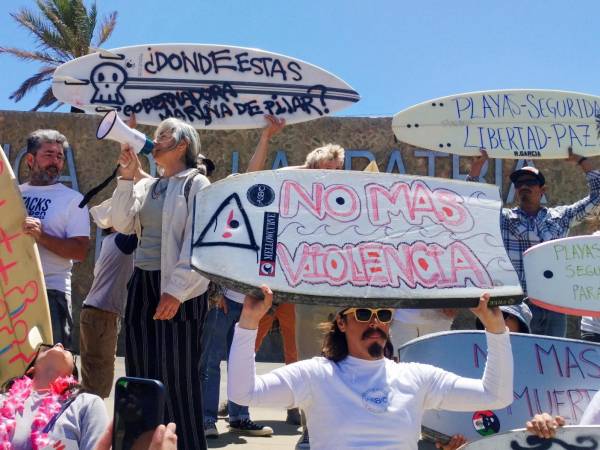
(63, 31)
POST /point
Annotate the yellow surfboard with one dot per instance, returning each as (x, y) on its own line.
(24, 312)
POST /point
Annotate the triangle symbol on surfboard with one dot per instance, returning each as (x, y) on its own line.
(229, 226)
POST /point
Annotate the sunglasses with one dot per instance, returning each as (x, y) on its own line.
(384, 315)
(529, 182)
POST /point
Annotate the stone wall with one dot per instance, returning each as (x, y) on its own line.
(363, 138)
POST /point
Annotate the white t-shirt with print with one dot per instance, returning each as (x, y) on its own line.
(57, 208)
(358, 403)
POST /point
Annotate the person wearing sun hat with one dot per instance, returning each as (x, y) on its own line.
(530, 223)
(516, 317)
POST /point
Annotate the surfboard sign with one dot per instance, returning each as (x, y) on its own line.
(24, 312)
(337, 237)
(208, 86)
(567, 438)
(554, 375)
(564, 275)
(510, 124)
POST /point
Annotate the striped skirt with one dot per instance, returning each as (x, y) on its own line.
(169, 351)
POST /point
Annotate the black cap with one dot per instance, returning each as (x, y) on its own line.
(528, 170)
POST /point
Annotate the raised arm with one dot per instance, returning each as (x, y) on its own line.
(495, 389)
(575, 213)
(476, 165)
(126, 203)
(244, 387)
(259, 158)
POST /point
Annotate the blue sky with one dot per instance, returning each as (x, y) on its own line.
(394, 53)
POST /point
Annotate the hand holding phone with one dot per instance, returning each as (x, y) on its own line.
(139, 409)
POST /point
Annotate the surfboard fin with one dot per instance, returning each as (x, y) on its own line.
(69, 80)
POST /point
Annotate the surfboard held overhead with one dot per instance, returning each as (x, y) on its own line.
(336, 237)
(510, 124)
(208, 86)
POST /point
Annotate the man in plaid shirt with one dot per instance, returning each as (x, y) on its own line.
(531, 223)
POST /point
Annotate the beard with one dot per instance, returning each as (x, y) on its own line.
(375, 350)
(43, 176)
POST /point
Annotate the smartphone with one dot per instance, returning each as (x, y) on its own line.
(433, 436)
(139, 409)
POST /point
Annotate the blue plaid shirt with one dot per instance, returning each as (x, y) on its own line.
(521, 231)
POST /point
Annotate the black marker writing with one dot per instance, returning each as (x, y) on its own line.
(225, 60)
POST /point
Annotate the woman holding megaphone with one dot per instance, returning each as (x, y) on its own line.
(166, 302)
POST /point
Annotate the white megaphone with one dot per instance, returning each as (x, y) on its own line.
(113, 128)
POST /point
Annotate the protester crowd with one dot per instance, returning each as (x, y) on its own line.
(343, 386)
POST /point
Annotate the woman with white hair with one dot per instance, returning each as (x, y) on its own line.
(166, 301)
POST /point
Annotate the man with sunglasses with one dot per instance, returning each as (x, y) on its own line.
(530, 223)
(353, 396)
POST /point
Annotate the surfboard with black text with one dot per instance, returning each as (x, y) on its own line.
(208, 86)
(567, 438)
(511, 124)
(554, 375)
(338, 237)
(564, 275)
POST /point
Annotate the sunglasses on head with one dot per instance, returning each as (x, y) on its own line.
(384, 315)
(528, 182)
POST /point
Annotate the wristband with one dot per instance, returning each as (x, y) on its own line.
(582, 159)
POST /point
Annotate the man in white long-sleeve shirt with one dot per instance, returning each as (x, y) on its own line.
(353, 396)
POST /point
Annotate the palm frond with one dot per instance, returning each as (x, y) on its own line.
(67, 33)
(62, 30)
(29, 56)
(74, 15)
(92, 18)
(58, 105)
(106, 28)
(46, 100)
(46, 38)
(44, 74)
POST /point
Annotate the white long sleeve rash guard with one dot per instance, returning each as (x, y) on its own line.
(358, 403)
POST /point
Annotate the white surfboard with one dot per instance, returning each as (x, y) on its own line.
(567, 438)
(511, 124)
(553, 375)
(208, 86)
(564, 275)
(337, 237)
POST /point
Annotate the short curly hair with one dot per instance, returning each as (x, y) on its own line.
(39, 137)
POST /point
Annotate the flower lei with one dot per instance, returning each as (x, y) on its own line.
(14, 403)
